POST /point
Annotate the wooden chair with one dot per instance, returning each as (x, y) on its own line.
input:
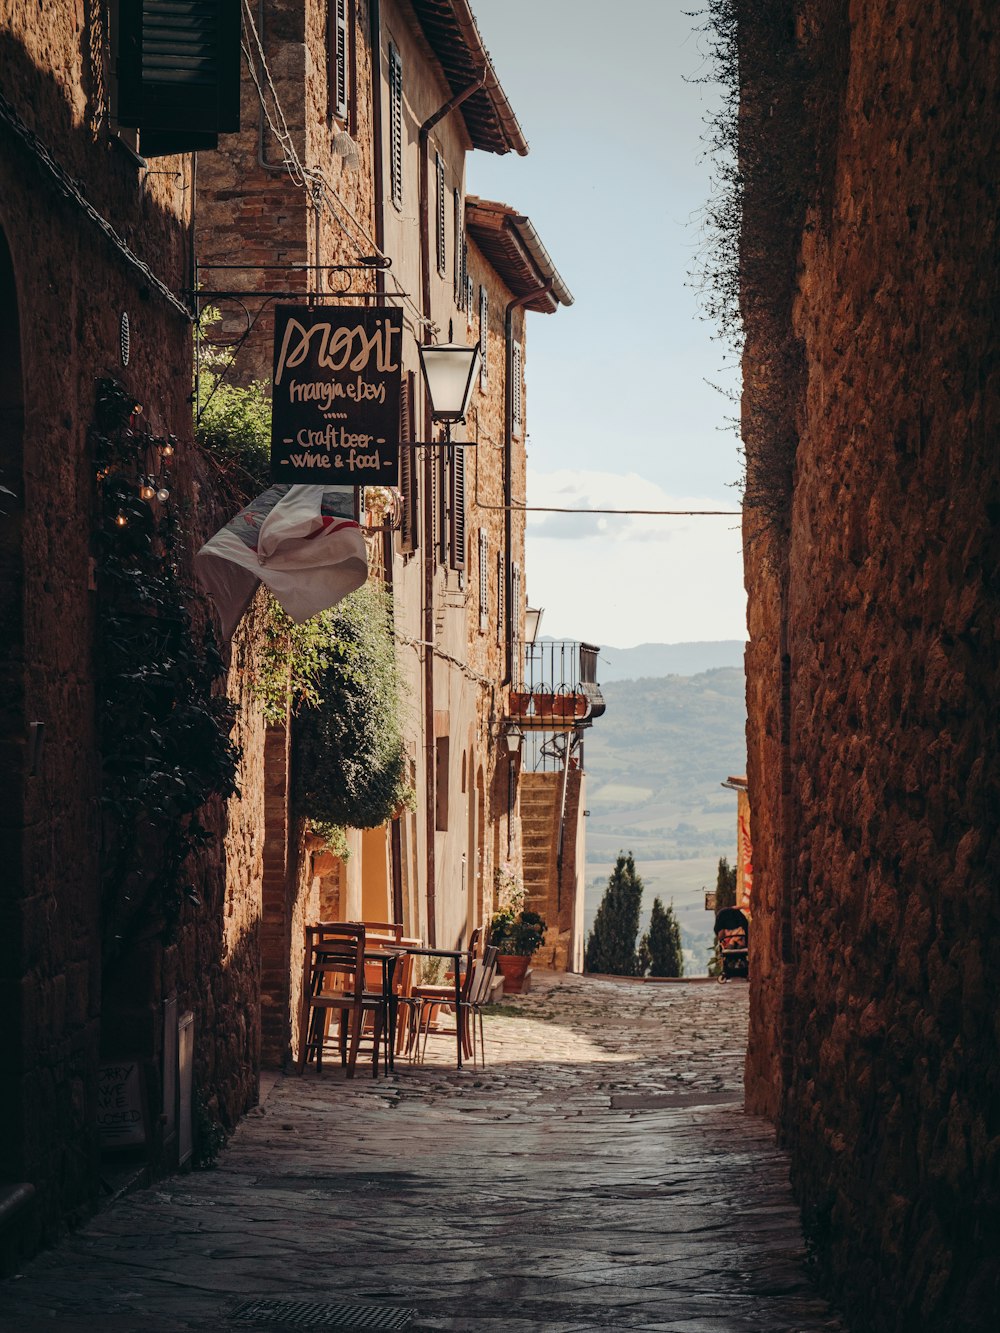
(484, 969)
(334, 982)
(434, 999)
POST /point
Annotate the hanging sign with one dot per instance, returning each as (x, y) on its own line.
(335, 400)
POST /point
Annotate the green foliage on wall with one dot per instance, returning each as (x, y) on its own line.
(350, 766)
(611, 944)
(163, 723)
(233, 425)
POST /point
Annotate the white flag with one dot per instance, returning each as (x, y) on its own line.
(301, 541)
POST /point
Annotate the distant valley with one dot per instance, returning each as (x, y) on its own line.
(654, 764)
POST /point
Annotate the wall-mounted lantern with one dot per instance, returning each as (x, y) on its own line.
(449, 370)
(532, 620)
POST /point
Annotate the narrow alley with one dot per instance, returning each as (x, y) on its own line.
(598, 1174)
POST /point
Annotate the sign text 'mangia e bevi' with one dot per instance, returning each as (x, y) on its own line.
(335, 403)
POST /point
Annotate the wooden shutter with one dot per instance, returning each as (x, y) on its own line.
(457, 539)
(468, 287)
(501, 598)
(178, 72)
(442, 256)
(444, 504)
(336, 59)
(459, 264)
(516, 376)
(484, 581)
(515, 601)
(396, 126)
(484, 325)
(407, 466)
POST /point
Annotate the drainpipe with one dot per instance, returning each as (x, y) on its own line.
(508, 463)
(430, 537)
(375, 39)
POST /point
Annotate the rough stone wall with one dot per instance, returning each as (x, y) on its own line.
(71, 289)
(881, 590)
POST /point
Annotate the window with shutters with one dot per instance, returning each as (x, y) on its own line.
(501, 599)
(484, 325)
(407, 466)
(460, 251)
(457, 535)
(338, 72)
(469, 289)
(442, 756)
(442, 193)
(443, 471)
(484, 581)
(395, 126)
(515, 602)
(177, 68)
(516, 382)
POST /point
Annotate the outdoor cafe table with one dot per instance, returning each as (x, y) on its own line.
(387, 957)
(456, 955)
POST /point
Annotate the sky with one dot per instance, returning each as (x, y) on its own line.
(621, 408)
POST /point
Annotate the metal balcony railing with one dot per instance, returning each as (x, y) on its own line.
(556, 684)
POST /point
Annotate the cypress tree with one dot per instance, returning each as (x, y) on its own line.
(725, 885)
(611, 945)
(662, 945)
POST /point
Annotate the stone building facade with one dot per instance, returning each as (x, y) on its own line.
(92, 283)
(869, 151)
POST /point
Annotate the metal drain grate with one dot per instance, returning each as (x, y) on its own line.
(310, 1314)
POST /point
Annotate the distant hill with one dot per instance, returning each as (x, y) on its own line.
(668, 659)
(654, 764)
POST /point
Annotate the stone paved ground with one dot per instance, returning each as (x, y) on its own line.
(599, 1174)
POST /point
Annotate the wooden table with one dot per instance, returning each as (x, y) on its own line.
(456, 955)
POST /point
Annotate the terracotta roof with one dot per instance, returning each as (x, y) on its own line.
(511, 244)
(450, 29)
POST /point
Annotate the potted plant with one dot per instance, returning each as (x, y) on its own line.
(515, 932)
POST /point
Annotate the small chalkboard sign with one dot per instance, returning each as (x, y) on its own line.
(121, 1104)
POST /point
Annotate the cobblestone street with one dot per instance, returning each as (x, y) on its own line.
(599, 1174)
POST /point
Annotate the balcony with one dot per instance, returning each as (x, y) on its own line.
(556, 688)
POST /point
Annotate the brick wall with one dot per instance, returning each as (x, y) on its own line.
(874, 771)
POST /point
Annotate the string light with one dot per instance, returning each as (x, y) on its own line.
(163, 495)
(167, 449)
(146, 491)
(120, 520)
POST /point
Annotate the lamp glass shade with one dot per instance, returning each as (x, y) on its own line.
(532, 620)
(513, 736)
(448, 370)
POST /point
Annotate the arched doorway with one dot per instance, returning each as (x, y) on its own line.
(16, 744)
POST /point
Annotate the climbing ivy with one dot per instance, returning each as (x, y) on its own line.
(350, 761)
(163, 723)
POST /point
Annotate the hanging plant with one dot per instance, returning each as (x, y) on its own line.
(350, 762)
(163, 725)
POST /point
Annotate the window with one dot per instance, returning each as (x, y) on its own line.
(461, 251)
(337, 69)
(484, 323)
(442, 257)
(501, 599)
(457, 534)
(469, 289)
(516, 377)
(442, 471)
(396, 126)
(484, 581)
(442, 748)
(515, 601)
(178, 71)
(407, 466)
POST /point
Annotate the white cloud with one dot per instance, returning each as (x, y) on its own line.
(624, 580)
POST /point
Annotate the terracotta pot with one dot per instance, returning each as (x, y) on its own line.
(518, 703)
(513, 967)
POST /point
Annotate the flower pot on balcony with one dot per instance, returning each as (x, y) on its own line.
(514, 968)
(518, 703)
(543, 702)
